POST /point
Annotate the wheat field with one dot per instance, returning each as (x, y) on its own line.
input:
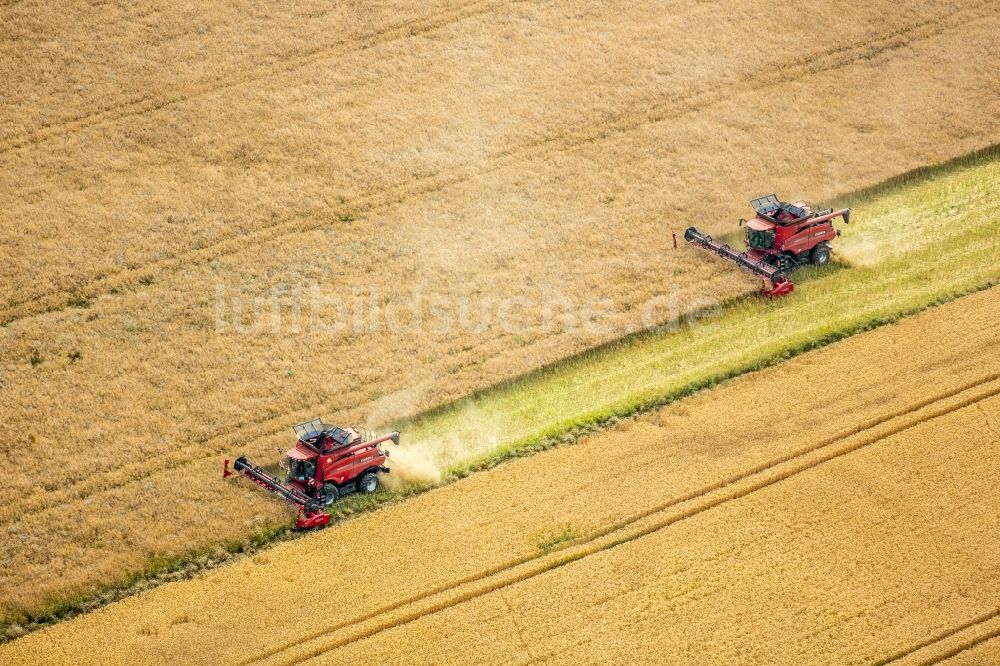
(854, 561)
(115, 175)
(697, 533)
(479, 151)
(155, 157)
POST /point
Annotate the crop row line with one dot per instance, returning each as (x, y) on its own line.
(968, 645)
(642, 112)
(938, 638)
(756, 479)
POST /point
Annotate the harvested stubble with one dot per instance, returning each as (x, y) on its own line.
(817, 533)
(392, 158)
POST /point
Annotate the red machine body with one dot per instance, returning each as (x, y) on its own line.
(780, 238)
(326, 462)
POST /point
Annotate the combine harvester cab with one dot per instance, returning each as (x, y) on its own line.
(326, 462)
(780, 238)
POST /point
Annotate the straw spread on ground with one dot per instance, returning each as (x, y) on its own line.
(697, 532)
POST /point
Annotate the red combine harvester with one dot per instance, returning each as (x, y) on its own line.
(780, 238)
(326, 462)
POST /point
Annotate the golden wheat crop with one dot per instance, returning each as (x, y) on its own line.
(479, 151)
(854, 561)
(758, 486)
(119, 168)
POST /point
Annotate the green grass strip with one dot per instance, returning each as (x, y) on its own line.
(928, 240)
